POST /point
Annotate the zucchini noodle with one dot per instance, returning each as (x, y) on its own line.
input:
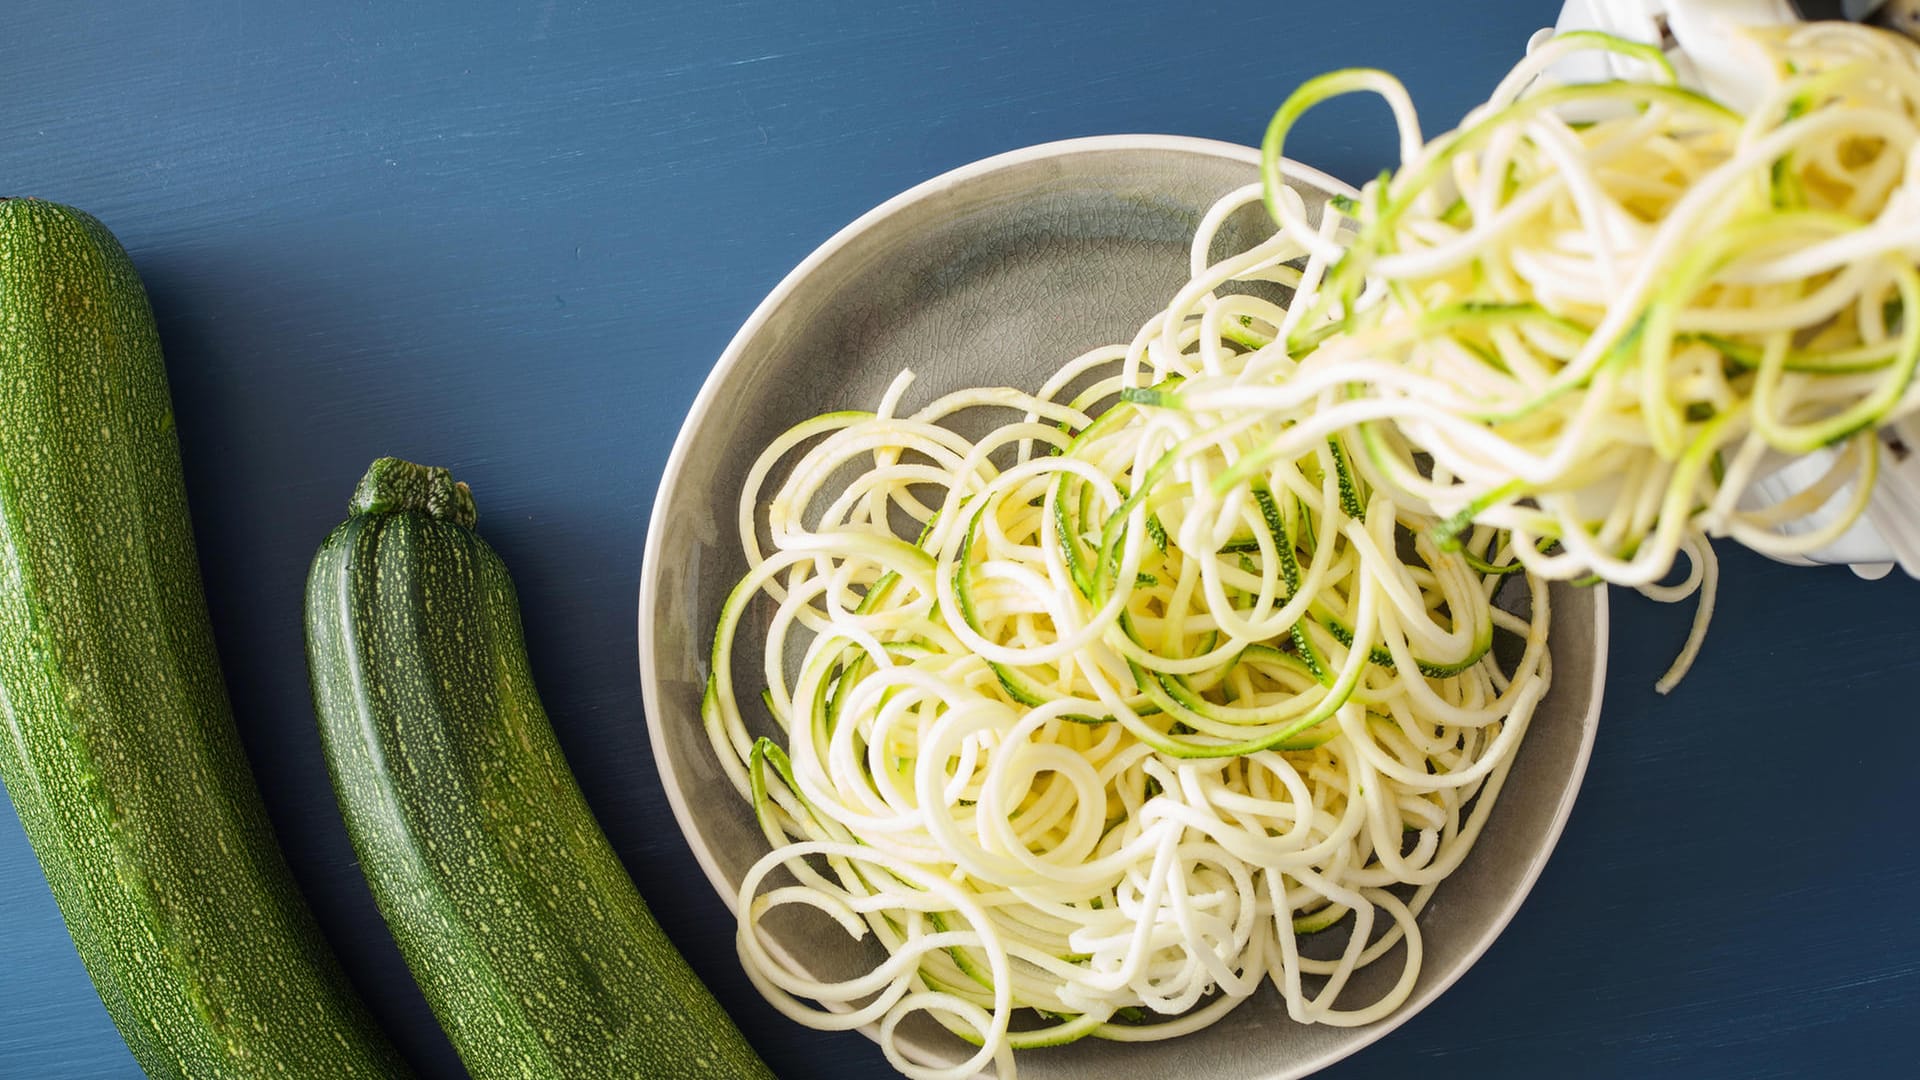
(1188, 674)
(1595, 333)
(1098, 748)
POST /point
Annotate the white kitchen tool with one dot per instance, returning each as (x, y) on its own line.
(1700, 38)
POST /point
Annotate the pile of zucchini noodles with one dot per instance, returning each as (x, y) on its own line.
(1191, 658)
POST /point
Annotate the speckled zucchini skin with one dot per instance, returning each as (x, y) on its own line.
(119, 748)
(518, 920)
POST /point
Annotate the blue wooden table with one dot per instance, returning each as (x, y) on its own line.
(511, 238)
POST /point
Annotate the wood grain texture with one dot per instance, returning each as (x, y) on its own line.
(512, 238)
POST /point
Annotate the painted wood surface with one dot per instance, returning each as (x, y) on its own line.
(511, 239)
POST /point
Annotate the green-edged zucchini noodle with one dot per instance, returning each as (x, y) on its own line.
(1206, 663)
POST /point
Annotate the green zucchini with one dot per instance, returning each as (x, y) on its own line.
(519, 922)
(120, 751)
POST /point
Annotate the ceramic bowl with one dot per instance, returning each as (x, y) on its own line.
(995, 274)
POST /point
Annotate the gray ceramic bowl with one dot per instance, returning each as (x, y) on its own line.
(995, 274)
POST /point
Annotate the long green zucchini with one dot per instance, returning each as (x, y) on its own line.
(119, 748)
(519, 922)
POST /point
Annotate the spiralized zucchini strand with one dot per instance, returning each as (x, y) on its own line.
(1189, 675)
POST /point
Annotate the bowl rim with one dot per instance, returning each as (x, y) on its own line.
(730, 359)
